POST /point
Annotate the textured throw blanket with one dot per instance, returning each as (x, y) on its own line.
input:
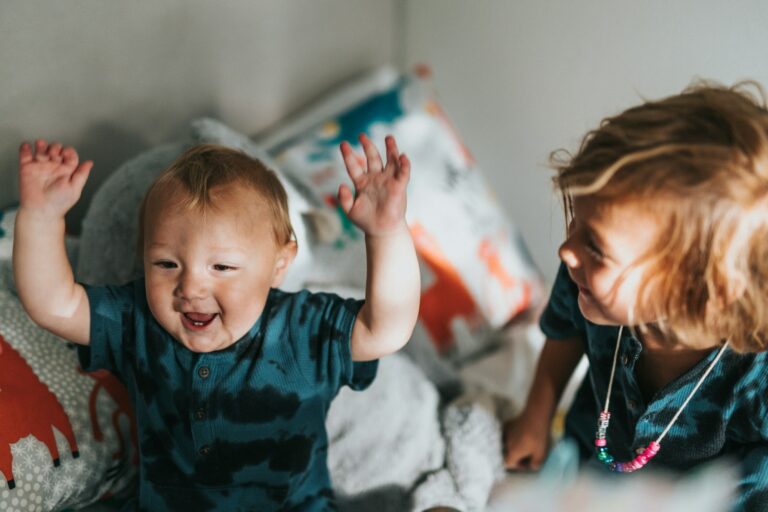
(392, 447)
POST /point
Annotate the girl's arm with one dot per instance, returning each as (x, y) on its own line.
(386, 320)
(50, 182)
(527, 436)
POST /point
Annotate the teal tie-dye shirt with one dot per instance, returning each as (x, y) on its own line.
(242, 428)
(728, 415)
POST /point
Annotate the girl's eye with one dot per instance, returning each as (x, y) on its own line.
(220, 267)
(594, 251)
(165, 264)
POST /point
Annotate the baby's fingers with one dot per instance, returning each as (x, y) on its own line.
(41, 150)
(54, 152)
(351, 161)
(80, 176)
(403, 170)
(346, 198)
(371, 154)
(392, 152)
(25, 153)
(70, 157)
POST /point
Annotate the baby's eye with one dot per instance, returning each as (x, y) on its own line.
(165, 264)
(220, 267)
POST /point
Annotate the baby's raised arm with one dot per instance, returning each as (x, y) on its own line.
(51, 179)
(392, 292)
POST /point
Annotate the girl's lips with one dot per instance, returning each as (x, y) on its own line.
(197, 321)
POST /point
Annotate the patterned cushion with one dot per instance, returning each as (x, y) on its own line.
(66, 437)
(475, 270)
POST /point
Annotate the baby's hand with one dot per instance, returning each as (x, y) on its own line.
(378, 207)
(50, 178)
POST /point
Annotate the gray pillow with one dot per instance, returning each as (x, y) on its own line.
(108, 253)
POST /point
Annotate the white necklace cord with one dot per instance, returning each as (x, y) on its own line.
(613, 368)
(693, 391)
(690, 395)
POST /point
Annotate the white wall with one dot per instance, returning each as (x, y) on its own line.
(114, 78)
(521, 78)
(518, 78)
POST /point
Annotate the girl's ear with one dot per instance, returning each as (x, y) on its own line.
(285, 257)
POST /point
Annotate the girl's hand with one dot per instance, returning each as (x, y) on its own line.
(378, 205)
(51, 178)
(525, 444)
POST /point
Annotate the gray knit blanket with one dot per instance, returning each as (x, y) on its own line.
(393, 448)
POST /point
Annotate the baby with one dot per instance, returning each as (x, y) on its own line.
(230, 378)
(664, 287)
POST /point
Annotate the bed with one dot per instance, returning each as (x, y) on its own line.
(433, 436)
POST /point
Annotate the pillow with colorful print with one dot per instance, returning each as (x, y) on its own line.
(67, 438)
(476, 273)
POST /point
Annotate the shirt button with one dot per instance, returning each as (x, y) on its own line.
(200, 414)
(625, 359)
(205, 450)
(203, 372)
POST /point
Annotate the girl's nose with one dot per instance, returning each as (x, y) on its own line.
(568, 255)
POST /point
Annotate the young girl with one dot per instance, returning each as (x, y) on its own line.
(664, 286)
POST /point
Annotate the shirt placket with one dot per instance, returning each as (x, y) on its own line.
(634, 402)
(203, 383)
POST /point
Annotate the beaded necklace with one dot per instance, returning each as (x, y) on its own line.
(653, 447)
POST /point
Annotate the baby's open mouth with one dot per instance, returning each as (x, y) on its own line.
(198, 320)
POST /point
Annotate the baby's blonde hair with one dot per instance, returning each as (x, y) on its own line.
(700, 158)
(202, 168)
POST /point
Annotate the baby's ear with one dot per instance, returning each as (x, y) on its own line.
(285, 257)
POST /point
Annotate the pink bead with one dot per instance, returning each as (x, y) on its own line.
(652, 450)
(600, 442)
(642, 459)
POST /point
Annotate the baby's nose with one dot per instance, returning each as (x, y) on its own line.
(192, 286)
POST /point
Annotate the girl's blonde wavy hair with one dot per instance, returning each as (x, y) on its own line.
(204, 167)
(699, 161)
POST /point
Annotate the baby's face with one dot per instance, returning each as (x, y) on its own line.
(604, 243)
(208, 274)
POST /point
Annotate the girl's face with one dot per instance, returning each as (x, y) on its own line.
(604, 242)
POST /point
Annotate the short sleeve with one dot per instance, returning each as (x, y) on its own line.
(112, 309)
(561, 318)
(321, 330)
